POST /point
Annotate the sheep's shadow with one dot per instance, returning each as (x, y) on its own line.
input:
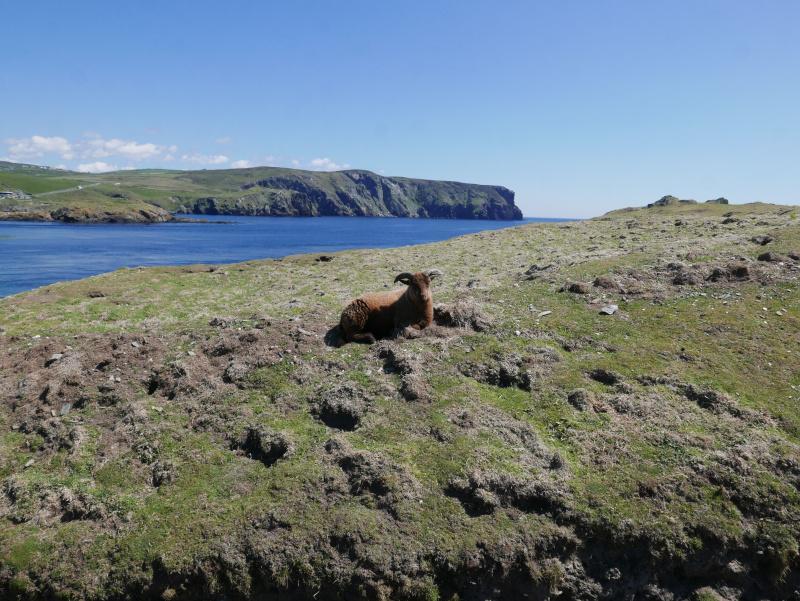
(333, 337)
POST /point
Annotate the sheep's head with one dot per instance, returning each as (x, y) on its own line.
(419, 284)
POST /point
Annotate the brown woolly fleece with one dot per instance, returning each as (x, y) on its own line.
(377, 314)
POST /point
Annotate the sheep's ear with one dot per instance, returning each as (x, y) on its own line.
(405, 278)
(433, 273)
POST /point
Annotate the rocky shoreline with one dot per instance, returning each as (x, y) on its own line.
(91, 215)
(74, 215)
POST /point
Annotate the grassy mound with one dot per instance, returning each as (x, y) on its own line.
(604, 409)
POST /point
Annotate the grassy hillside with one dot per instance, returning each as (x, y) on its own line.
(604, 409)
(268, 191)
(35, 179)
(35, 185)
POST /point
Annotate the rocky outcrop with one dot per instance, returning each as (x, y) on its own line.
(107, 215)
(92, 215)
(25, 216)
(665, 201)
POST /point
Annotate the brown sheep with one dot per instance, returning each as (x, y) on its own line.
(376, 314)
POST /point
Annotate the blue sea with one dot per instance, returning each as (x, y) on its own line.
(38, 254)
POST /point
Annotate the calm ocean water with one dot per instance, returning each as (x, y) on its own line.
(38, 254)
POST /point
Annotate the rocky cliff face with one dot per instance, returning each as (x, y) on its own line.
(101, 215)
(359, 193)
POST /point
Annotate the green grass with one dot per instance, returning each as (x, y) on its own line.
(646, 468)
(39, 183)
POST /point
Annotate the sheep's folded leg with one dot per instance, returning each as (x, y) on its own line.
(363, 337)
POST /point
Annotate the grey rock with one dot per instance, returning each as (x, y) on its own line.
(609, 309)
(53, 359)
(665, 201)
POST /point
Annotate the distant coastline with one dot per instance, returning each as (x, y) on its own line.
(30, 193)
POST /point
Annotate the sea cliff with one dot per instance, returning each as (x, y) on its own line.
(269, 191)
(355, 193)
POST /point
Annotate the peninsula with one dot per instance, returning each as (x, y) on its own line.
(33, 193)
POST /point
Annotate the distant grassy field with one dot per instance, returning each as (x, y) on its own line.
(39, 183)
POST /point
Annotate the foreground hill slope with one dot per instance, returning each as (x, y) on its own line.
(604, 409)
(269, 191)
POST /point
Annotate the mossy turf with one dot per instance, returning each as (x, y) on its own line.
(194, 432)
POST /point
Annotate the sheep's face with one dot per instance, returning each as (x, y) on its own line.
(419, 284)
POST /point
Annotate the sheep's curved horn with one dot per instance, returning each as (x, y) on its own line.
(404, 277)
(432, 273)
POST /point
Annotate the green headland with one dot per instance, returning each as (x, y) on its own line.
(39, 193)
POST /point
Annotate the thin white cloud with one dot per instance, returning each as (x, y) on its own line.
(93, 146)
(96, 167)
(98, 154)
(268, 161)
(127, 149)
(36, 146)
(204, 159)
(326, 165)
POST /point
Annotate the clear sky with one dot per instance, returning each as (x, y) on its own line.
(579, 106)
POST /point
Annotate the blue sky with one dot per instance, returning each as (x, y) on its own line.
(580, 107)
